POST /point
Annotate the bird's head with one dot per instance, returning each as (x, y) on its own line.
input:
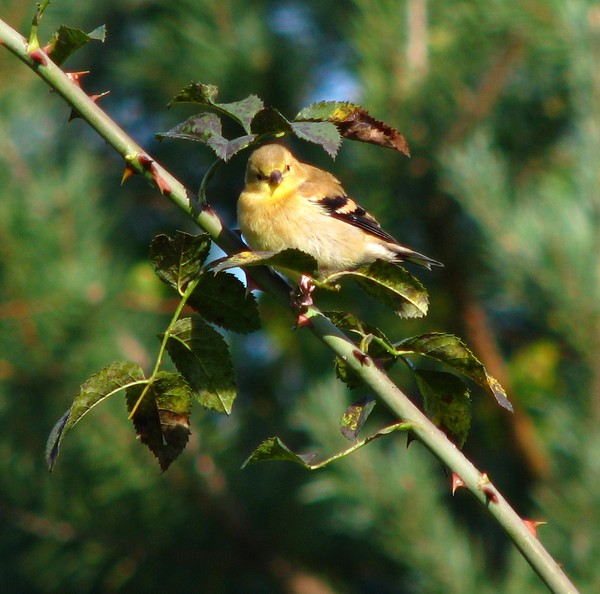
(270, 165)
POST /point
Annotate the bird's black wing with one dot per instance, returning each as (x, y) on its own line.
(345, 209)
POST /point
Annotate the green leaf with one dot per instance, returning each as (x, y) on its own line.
(323, 133)
(201, 128)
(66, 41)
(354, 123)
(206, 128)
(243, 111)
(289, 260)
(391, 285)
(162, 420)
(355, 417)
(346, 374)
(326, 111)
(201, 355)
(178, 260)
(101, 385)
(447, 402)
(270, 122)
(225, 149)
(98, 34)
(274, 449)
(223, 300)
(350, 323)
(196, 93)
(451, 350)
(374, 342)
(34, 43)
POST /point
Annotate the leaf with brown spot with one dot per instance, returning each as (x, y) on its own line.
(162, 420)
(355, 123)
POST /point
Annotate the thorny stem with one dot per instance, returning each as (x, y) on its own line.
(475, 481)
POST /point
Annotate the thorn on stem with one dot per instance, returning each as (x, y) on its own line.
(127, 173)
(75, 77)
(144, 160)
(532, 525)
(161, 183)
(147, 164)
(485, 486)
(303, 321)
(39, 57)
(362, 357)
(456, 483)
(96, 98)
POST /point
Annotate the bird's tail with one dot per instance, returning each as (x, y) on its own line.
(405, 253)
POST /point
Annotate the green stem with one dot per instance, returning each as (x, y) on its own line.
(163, 345)
(207, 177)
(477, 483)
(402, 426)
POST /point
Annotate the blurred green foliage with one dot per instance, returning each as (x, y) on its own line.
(500, 105)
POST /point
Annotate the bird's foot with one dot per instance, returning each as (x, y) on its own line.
(301, 296)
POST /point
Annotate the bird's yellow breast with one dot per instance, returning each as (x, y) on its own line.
(267, 221)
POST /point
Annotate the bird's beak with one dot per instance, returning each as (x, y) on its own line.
(275, 177)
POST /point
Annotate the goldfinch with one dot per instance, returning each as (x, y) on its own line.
(289, 204)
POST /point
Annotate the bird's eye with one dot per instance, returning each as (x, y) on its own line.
(288, 167)
(259, 176)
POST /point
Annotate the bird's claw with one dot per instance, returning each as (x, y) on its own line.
(301, 296)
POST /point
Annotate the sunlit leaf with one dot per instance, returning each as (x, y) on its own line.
(355, 123)
(355, 416)
(223, 300)
(322, 133)
(66, 41)
(451, 350)
(288, 260)
(447, 402)
(393, 286)
(162, 419)
(202, 356)
(178, 260)
(33, 44)
(329, 111)
(98, 387)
